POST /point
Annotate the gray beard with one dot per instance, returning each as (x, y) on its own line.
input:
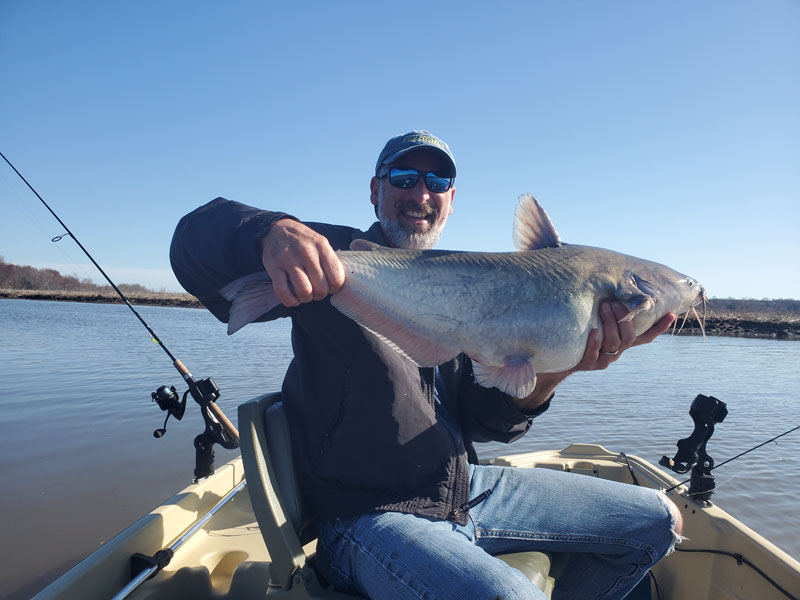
(399, 236)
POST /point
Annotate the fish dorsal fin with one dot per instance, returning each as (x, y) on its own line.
(365, 246)
(532, 227)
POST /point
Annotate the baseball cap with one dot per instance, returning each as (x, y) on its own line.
(413, 140)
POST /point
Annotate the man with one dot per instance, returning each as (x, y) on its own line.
(383, 445)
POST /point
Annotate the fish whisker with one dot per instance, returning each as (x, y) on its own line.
(701, 321)
(685, 317)
(705, 314)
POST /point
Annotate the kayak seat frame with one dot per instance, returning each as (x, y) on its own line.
(284, 518)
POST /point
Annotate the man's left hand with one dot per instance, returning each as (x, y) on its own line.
(607, 345)
(604, 347)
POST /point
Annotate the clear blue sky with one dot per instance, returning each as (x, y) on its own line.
(666, 130)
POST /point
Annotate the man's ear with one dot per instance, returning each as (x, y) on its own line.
(374, 187)
(452, 195)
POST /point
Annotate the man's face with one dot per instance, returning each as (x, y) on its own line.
(415, 217)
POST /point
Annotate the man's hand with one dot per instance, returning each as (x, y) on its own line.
(606, 346)
(603, 347)
(300, 262)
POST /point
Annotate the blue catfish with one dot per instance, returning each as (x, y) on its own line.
(513, 313)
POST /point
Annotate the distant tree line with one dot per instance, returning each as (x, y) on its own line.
(24, 277)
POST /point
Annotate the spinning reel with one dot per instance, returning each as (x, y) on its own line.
(205, 392)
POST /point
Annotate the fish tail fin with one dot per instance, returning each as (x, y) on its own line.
(251, 296)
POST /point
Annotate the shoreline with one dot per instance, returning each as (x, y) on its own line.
(149, 299)
(727, 323)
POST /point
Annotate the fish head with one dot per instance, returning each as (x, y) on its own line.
(651, 290)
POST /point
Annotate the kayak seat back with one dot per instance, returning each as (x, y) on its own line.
(283, 517)
(276, 500)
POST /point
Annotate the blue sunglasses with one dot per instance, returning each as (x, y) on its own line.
(407, 179)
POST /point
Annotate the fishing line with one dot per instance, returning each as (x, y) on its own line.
(739, 455)
(11, 192)
(219, 429)
(91, 258)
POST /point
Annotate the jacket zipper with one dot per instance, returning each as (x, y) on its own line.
(457, 512)
(326, 440)
(456, 488)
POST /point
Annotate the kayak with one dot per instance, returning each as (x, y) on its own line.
(236, 536)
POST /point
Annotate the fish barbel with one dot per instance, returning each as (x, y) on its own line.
(514, 314)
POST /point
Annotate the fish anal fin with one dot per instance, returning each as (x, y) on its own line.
(516, 377)
(532, 227)
(424, 348)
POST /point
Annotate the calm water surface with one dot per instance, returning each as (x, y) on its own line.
(78, 462)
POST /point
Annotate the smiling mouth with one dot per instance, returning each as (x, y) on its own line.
(417, 215)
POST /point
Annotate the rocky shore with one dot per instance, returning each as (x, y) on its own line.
(755, 324)
(738, 326)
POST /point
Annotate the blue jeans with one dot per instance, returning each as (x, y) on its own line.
(614, 532)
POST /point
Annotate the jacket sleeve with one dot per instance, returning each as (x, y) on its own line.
(487, 414)
(217, 243)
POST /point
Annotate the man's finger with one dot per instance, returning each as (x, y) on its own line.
(592, 352)
(625, 329)
(611, 334)
(315, 274)
(280, 284)
(298, 279)
(332, 266)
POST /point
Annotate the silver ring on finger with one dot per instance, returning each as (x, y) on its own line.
(614, 353)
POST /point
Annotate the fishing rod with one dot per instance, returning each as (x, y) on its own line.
(218, 428)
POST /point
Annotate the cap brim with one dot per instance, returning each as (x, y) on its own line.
(400, 153)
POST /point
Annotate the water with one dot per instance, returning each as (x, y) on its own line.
(78, 462)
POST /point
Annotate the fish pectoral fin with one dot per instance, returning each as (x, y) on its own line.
(365, 246)
(636, 304)
(638, 295)
(251, 296)
(516, 377)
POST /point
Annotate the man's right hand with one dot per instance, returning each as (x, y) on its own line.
(300, 262)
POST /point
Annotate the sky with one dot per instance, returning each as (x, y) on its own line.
(665, 130)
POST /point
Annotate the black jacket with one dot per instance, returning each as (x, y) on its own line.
(364, 424)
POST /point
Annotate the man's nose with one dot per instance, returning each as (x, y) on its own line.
(420, 191)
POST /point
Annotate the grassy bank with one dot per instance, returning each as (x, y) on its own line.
(140, 298)
(777, 319)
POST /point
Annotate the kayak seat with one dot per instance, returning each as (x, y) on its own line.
(285, 521)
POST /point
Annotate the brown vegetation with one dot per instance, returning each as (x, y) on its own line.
(106, 296)
(24, 277)
(23, 281)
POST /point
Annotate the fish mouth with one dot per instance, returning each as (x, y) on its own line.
(700, 299)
